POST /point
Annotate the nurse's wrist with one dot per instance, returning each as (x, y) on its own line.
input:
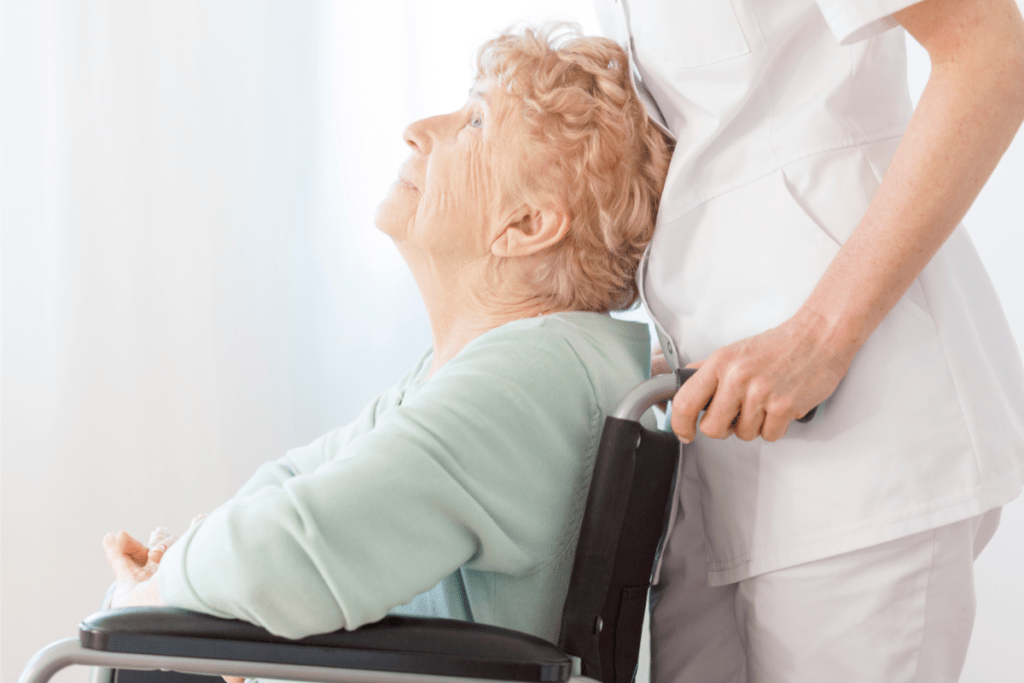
(838, 335)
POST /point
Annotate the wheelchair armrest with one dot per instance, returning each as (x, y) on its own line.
(442, 647)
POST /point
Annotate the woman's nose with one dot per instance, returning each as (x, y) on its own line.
(420, 134)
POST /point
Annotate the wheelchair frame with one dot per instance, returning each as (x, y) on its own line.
(620, 538)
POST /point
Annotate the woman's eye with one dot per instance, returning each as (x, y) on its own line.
(477, 121)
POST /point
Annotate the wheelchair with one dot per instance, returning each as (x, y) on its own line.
(620, 537)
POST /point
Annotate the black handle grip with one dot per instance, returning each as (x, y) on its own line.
(809, 416)
(683, 374)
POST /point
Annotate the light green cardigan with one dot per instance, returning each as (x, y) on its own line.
(457, 496)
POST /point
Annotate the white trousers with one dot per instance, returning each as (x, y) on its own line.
(898, 612)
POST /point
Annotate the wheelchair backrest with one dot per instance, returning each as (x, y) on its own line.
(620, 537)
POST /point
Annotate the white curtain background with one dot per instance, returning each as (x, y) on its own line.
(191, 279)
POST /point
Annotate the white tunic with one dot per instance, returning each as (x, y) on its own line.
(787, 115)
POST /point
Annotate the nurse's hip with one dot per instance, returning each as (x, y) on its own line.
(908, 602)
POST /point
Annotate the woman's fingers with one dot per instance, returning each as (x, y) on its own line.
(156, 553)
(120, 561)
(157, 535)
(132, 547)
(110, 546)
(659, 366)
(129, 558)
(122, 546)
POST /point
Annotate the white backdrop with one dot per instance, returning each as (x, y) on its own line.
(191, 281)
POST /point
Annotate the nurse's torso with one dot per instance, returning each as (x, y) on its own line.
(767, 108)
(749, 86)
(783, 137)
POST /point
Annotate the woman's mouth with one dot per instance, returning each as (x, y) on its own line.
(402, 182)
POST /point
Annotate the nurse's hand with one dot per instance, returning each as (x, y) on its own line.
(757, 386)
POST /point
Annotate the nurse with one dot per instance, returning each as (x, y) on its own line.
(808, 252)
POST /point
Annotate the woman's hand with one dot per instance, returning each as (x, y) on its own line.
(659, 366)
(135, 567)
(757, 386)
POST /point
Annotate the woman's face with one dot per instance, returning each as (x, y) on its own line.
(451, 196)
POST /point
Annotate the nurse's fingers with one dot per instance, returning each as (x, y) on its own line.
(749, 423)
(775, 426)
(690, 400)
(719, 418)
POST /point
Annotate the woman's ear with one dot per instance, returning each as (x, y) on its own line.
(533, 231)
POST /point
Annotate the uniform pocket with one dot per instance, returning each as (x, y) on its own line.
(737, 265)
(689, 32)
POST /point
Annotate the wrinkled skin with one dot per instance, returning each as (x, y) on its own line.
(451, 201)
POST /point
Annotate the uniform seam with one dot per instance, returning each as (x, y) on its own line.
(767, 92)
(953, 379)
(924, 611)
(832, 146)
(945, 351)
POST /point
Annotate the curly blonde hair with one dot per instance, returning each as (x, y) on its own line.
(602, 158)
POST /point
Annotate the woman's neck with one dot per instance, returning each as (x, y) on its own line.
(466, 298)
(464, 303)
(456, 321)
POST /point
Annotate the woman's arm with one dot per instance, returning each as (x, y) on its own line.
(471, 469)
(967, 116)
(306, 459)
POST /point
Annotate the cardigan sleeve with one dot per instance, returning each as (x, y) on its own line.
(476, 467)
(307, 458)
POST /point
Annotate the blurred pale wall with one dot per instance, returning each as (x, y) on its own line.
(192, 282)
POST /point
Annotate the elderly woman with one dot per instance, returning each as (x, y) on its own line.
(459, 492)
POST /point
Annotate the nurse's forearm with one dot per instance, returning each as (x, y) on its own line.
(968, 114)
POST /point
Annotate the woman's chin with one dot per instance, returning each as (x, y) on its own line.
(395, 213)
(387, 222)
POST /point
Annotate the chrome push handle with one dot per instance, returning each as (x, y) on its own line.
(661, 388)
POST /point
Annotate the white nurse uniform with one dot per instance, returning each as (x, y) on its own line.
(786, 116)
